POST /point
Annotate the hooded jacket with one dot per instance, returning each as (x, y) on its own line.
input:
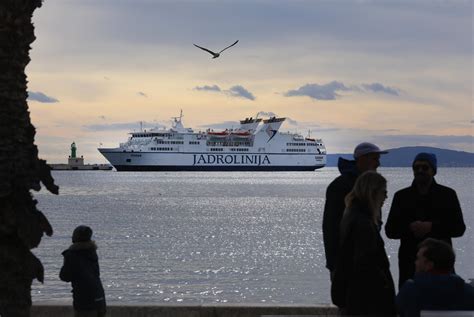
(81, 268)
(427, 291)
(334, 208)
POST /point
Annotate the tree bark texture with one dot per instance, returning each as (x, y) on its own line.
(21, 224)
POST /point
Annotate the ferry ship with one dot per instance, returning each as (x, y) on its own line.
(256, 145)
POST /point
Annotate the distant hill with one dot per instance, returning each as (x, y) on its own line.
(403, 157)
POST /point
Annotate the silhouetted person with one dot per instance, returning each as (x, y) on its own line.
(423, 210)
(81, 268)
(434, 286)
(367, 156)
(362, 283)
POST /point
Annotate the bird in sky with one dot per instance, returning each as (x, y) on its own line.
(214, 54)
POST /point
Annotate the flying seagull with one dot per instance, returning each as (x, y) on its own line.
(215, 55)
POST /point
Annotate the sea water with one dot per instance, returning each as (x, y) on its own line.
(212, 237)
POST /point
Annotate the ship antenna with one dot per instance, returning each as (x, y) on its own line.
(141, 126)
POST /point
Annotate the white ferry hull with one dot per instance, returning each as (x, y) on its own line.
(256, 145)
(198, 161)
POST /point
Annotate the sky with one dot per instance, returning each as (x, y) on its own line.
(396, 73)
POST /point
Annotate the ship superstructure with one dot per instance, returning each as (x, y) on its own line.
(256, 145)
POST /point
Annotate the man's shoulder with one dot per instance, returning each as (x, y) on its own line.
(444, 189)
(404, 191)
(342, 181)
(408, 291)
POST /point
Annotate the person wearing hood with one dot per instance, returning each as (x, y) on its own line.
(367, 157)
(426, 209)
(434, 286)
(81, 268)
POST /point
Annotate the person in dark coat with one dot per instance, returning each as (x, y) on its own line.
(81, 268)
(423, 210)
(367, 156)
(362, 283)
(434, 286)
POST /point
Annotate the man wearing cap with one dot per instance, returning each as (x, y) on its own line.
(367, 157)
(423, 210)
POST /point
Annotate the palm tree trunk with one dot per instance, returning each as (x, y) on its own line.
(21, 224)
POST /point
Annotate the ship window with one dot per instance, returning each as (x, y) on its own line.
(128, 160)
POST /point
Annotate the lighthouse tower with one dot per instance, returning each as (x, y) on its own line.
(73, 159)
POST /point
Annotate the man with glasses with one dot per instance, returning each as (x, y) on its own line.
(423, 210)
(367, 157)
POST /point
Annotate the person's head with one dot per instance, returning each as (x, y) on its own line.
(82, 234)
(424, 167)
(367, 156)
(370, 188)
(434, 255)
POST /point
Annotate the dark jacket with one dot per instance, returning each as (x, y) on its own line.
(81, 268)
(334, 208)
(434, 292)
(362, 281)
(440, 206)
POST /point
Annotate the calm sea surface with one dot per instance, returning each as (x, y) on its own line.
(201, 237)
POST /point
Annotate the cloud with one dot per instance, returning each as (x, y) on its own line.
(472, 121)
(208, 88)
(330, 90)
(406, 25)
(40, 97)
(377, 87)
(129, 126)
(239, 91)
(319, 92)
(140, 93)
(234, 91)
(268, 114)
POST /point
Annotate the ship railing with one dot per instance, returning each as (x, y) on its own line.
(230, 143)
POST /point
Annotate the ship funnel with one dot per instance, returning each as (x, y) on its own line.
(272, 124)
(249, 124)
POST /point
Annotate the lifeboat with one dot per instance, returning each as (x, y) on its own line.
(241, 134)
(219, 134)
(310, 139)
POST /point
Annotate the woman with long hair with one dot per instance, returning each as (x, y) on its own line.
(362, 282)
